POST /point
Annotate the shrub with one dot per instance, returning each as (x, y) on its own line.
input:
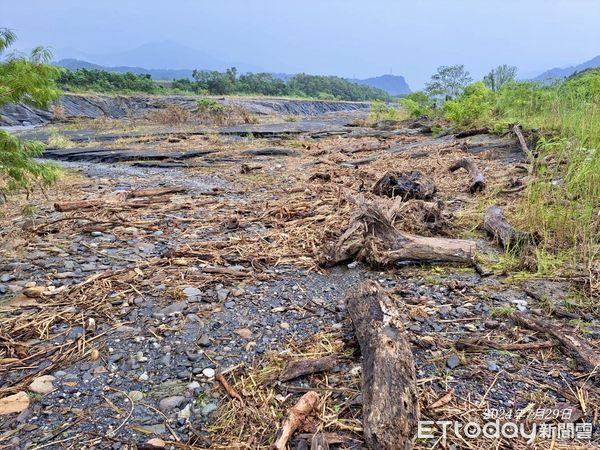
(169, 115)
(32, 81)
(417, 104)
(472, 107)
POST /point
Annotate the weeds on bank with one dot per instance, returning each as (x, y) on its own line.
(561, 202)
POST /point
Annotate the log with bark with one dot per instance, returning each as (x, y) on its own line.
(571, 344)
(469, 133)
(298, 368)
(372, 238)
(496, 226)
(390, 402)
(407, 185)
(477, 179)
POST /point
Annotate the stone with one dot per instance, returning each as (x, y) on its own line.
(244, 333)
(208, 372)
(222, 294)
(144, 377)
(284, 326)
(169, 403)
(135, 396)
(453, 361)
(208, 408)
(43, 384)
(185, 412)
(174, 308)
(156, 443)
(204, 341)
(492, 366)
(192, 293)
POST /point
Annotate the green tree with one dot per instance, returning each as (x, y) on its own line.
(28, 80)
(500, 76)
(448, 82)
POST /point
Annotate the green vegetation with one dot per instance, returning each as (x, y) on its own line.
(111, 82)
(223, 83)
(32, 81)
(562, 198)
(381, 112)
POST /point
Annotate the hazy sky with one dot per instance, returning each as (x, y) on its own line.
(339, 37)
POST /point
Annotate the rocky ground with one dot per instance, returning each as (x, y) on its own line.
(116, 319)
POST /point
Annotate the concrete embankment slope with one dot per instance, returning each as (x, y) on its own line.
(118, 107)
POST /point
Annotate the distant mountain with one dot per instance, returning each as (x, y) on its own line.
(159, 55)
(558, 73)
(156, 74)
(392, 84)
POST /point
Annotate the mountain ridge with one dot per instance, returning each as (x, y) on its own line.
(564, 72)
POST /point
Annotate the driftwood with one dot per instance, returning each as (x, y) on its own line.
(298, 368)
(228, 388)
(319, 442)
(390, 402)
(496, 226)
(297, 414)
(516, 129)
(481, 344)
(372, 238)
(469, 133)
(477, 179)
(407, 185)
(245, 168)
(141, 198)
(570, 343)
(320, 176)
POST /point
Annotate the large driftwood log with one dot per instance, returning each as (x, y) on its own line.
(407, 185)
(390, 403)
(141, 198)
(372, 238)
(477, 179)
(570, 343)
(495, 225)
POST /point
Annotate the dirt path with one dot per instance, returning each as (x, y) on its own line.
(132, 309)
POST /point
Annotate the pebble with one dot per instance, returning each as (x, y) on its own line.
(204, 341)
(144, 377)
(353, 265)
(43, 384)
(453, 361)
(208, 372)
(284, 326)
(492, 366)
(192, 293)
(210, 407)
(244, 333)
(222, 294)
(135, 396)
(169, 403)
(174, 308)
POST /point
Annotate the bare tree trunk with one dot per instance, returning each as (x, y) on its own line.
(372, 238)
(390, 403)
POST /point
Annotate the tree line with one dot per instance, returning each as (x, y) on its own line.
(228, 82)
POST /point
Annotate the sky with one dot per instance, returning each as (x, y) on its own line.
(350, 38)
